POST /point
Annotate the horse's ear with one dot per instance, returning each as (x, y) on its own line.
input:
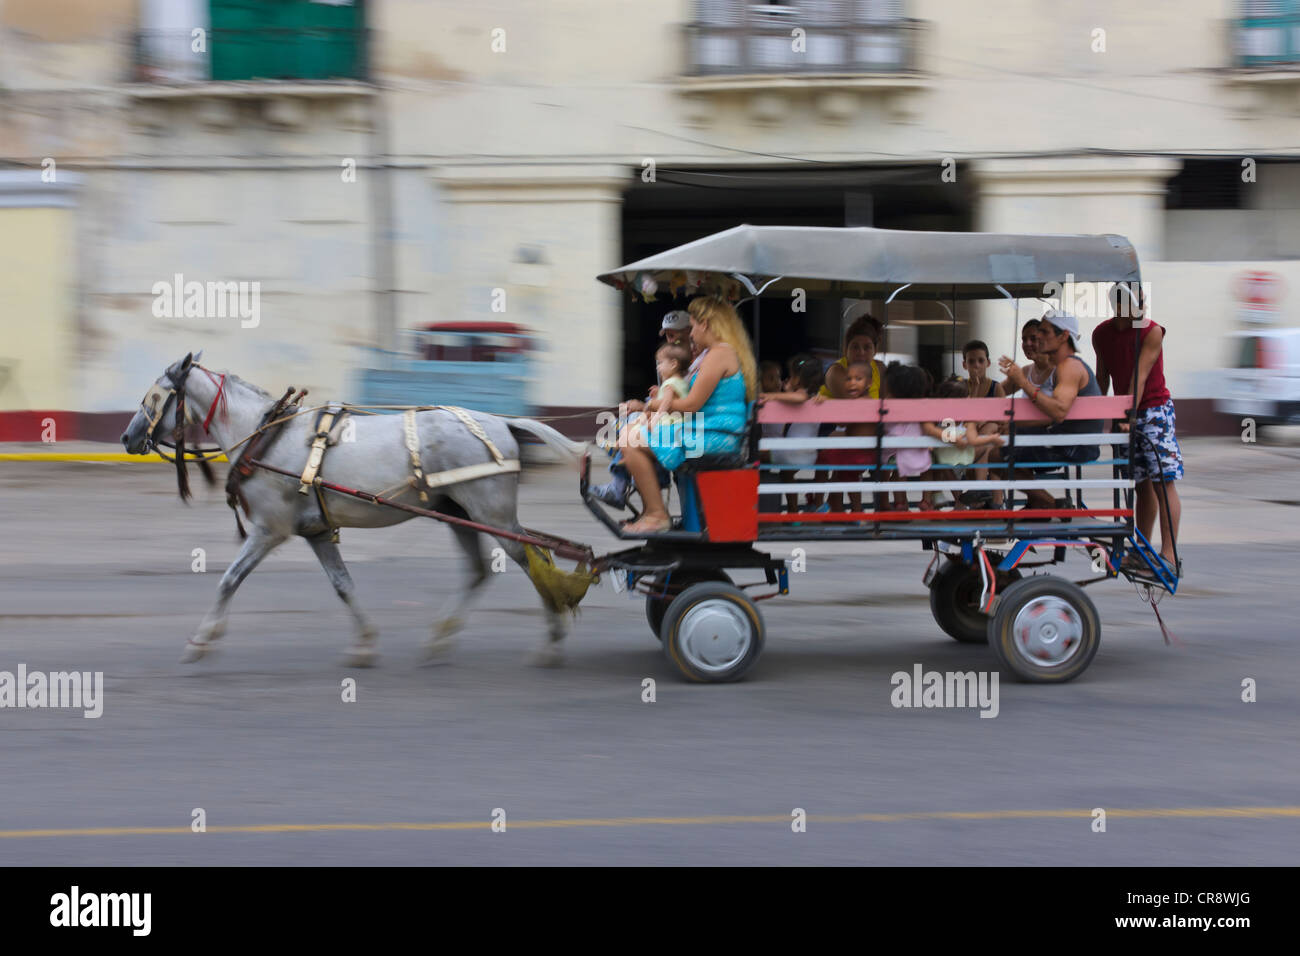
(198, 356)
(187, 361)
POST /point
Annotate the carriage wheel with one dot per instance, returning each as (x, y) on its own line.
(713, 632)
(955, 600)
(656, 607)
(1045, 630)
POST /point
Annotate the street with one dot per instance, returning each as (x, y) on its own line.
(97, 575)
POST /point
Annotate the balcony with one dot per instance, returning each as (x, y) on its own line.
(1269, 35)
(832, 55)
(766, 40)
(285, 55)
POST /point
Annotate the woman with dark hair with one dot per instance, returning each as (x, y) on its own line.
(860, 343)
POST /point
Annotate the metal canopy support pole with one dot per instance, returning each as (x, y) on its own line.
(1011, 420)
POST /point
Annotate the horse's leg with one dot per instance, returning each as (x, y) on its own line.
(451, 616)
(362, 652)
(492, 503)
(259, 544)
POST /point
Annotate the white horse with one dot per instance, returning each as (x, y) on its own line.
(377, 460)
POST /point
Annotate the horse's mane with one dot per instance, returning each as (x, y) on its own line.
(232, 377)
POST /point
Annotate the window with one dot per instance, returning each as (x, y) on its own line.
(1268, 32)
(250, 40)
(1206, 184)
(800, 36)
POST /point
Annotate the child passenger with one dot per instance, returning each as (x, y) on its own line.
(805, 378)
(906, 381)
(671, 364)
(852, 461)
(965, 445)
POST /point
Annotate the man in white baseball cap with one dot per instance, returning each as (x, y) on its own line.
(1071, 378)
(676, 328)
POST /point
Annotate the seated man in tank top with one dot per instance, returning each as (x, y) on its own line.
(1058, 337)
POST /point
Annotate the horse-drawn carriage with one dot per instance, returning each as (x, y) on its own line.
(1041, 627)
(462, 467)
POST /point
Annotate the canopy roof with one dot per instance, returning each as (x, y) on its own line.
(865, 262)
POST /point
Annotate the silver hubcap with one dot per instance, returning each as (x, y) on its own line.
(714, 635)
(1048, 631)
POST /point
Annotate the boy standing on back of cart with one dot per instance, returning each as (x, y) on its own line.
(1157, 454)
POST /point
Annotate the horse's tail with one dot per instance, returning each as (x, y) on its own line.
(570, 450)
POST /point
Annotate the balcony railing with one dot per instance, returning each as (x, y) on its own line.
(766, 41)
(168, 56)
(1268, 33)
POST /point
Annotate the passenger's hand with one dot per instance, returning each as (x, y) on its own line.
(654, 391)
(1124, 426)
(997, 441)
(818, 398)
(1012, 371)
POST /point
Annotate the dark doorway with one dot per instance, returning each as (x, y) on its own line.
(682, 205)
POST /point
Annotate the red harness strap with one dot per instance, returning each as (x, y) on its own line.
(219, 398)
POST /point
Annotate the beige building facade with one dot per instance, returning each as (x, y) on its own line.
(485, 161)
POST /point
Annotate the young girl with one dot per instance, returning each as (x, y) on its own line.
(906, 381)
(966, 444)
(805, 378)
(857, 384)
(671, 363)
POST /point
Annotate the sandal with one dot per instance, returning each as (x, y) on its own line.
(649, 525)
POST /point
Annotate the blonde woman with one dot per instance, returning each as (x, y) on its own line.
(721, 390)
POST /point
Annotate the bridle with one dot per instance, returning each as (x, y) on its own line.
(154, 407)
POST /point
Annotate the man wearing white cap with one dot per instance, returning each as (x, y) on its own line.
(1072, 377)
(676, 328)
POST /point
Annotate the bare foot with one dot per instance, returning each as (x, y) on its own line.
(649, 524)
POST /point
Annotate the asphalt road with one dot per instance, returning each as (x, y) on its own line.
(95, 575)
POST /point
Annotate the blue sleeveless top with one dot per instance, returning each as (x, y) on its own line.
(717, 428)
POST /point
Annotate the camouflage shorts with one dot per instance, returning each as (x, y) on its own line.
(1159, 455)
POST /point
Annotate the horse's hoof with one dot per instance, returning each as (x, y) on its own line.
(195, 652)
(360, 657)
(437, 651)
(446, 628)
(548, 656)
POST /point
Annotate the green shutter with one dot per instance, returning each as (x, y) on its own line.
(286, 40)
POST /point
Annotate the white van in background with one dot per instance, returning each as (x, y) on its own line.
(1265, 385)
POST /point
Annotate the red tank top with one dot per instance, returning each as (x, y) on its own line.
(1115, 348)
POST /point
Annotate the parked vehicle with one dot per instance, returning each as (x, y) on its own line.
(1265, 384)
(486, 366)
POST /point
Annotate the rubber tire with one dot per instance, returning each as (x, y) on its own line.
(1002, 639)
(690, 598)
(657, 607)
(954, 596)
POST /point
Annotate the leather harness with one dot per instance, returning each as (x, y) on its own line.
(326, 434)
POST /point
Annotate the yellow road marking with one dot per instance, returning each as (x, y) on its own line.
(1255, 813)
(116, 456)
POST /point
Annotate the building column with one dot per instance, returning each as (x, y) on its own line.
(525, 245)
(1122, 195)
(39, 353)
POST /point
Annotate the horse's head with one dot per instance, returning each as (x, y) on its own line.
(169, 388)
